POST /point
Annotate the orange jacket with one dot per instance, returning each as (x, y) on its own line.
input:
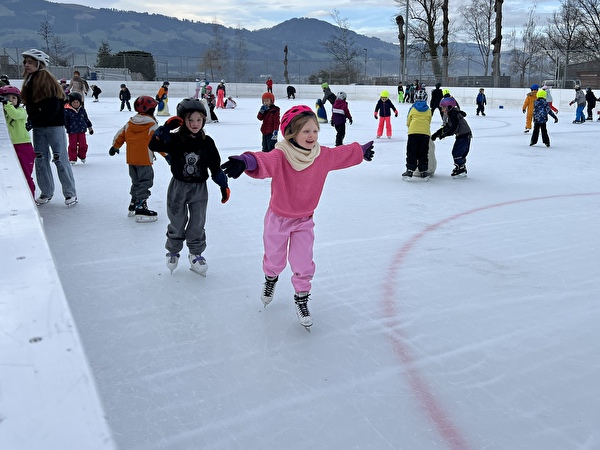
(136, 133)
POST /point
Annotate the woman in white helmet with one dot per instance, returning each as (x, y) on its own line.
(44, 99)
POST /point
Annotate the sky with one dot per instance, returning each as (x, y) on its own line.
(373, 18)
(448, 314)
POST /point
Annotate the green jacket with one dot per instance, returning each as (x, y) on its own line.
(15, 119)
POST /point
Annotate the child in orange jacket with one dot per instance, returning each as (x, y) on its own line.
(528, 106)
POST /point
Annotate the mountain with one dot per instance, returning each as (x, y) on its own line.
(84, 29)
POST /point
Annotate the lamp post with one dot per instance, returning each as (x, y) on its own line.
(365, 50)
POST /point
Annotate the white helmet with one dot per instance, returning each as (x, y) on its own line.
(342, 95)
(38, 55)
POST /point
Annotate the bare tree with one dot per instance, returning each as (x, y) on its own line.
(46, 33)
(216, 56)
(341, 48)
(479, 20)
(58, 50)
(240, 50)
(525, 46)
(590, 24)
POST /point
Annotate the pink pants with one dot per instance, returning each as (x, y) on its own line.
(26, 156)
(289, 239)
(77, 146)
(388, 126)
(221, 99)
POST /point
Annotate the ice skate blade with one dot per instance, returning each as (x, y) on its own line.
(200, 273)
(462, 175)
(131, 214)
(145, 219)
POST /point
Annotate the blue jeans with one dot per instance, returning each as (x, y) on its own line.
(579, 116)
(45, 138)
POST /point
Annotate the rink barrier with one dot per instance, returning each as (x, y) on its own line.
(48, 396)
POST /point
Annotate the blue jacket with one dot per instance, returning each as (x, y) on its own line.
(76, 120)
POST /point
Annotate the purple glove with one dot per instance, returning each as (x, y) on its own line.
(368, 151)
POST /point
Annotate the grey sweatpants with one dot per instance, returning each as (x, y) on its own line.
(142, 179)
(186, 209)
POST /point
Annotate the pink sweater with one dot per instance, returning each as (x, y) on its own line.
(294, 193)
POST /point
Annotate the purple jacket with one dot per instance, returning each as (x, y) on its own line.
(340, 112)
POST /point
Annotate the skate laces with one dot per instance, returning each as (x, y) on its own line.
(198, 259)
(269, 286)
(302, 304)
(173, 257)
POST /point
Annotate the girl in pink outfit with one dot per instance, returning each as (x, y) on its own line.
(298, 167)
(384, 108)
(221, 95)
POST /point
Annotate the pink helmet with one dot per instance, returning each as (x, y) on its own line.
(448, 102)
(293, 112)
(11, 90)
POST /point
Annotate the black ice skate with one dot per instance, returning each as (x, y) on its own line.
(143, 214)
(407, 176)
(268, 291)
(301, 300)
(459, 171)
(131, 210)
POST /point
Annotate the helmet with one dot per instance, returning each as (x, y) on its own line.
(63, 80)
(325, 85)
(165, 83)
(385, 94)
(421, 96)
(448, 102)
(208, 88)
(123, 85)
(342, 95)
(38, 55)
(293, 112)
(188, 105)
(446, 92)
(4, 77)
(438, 85)
(268, 95)
(75, 96)
(535, 87)
(577, 86)
(144, 104)
(541, 93)
(11, 90)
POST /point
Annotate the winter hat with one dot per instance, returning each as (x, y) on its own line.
(541, 93)
(268, 95)
(534, 87)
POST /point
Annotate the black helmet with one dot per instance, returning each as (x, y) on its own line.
(188, 105)
(75, 96)
(123, 85)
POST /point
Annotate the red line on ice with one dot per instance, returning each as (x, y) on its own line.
(433, 409)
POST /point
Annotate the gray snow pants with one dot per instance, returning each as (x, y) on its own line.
(186, 210)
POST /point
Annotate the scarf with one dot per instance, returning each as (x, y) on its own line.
(299, 158)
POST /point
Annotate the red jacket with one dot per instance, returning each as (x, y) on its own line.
(270, 120)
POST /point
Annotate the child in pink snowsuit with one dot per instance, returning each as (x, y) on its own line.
(385, 107)
(298, 167)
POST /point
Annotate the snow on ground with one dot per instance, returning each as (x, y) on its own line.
(449, 314)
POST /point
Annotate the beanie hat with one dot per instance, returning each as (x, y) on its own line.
(534, 87)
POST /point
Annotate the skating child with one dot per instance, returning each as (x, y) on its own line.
(269, 116)
(230, 103)
(76, 123)
(192, 154)
(580, 101)
(418, 122)
(96, 91)
(125, 96)
(528, 106)
(65, 86)
(385, 107)
(211, 102)
(328, 96)
(590, 98)
(541, 110)
(162, 97)
(481, 101)
(16, 117)
(436, 97)
(455, 124)
(339, 114)
(136, 133)
(298, 167)
(549, 98)
(221, 93)
(400, 93)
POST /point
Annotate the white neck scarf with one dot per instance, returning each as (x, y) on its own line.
(298, 158)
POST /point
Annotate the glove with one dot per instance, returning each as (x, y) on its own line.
(556, 120)
(263, 108)
(163, 133)
(174, 122)
(234, 167)
(396, 114)
(112, 151)
(350, 120)
(331, 123)
(91, 130)
(3, 100)
(225, 194)
(368, 151)
(436, 135)
(28, 126)
(570, 103)
(376, 116)
(524, 111)
(275, 134)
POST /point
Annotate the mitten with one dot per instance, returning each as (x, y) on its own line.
(436, 135)
(376, 116)
(91, 130)
(174, 122)
(350, 120)
(275, 134)
(368, 151)
(163, 133)
(570, 104)
(524, 111)
(396, 114)
(331, 123)
(556, 120)
(225, 194)
(263, 108)
(112, 151)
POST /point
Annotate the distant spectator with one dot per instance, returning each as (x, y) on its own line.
(269, 84)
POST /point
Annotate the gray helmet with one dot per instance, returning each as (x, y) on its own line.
(188, 105)
(342, 95)
(421, 95)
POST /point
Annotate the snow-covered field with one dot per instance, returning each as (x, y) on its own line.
(449, 314)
